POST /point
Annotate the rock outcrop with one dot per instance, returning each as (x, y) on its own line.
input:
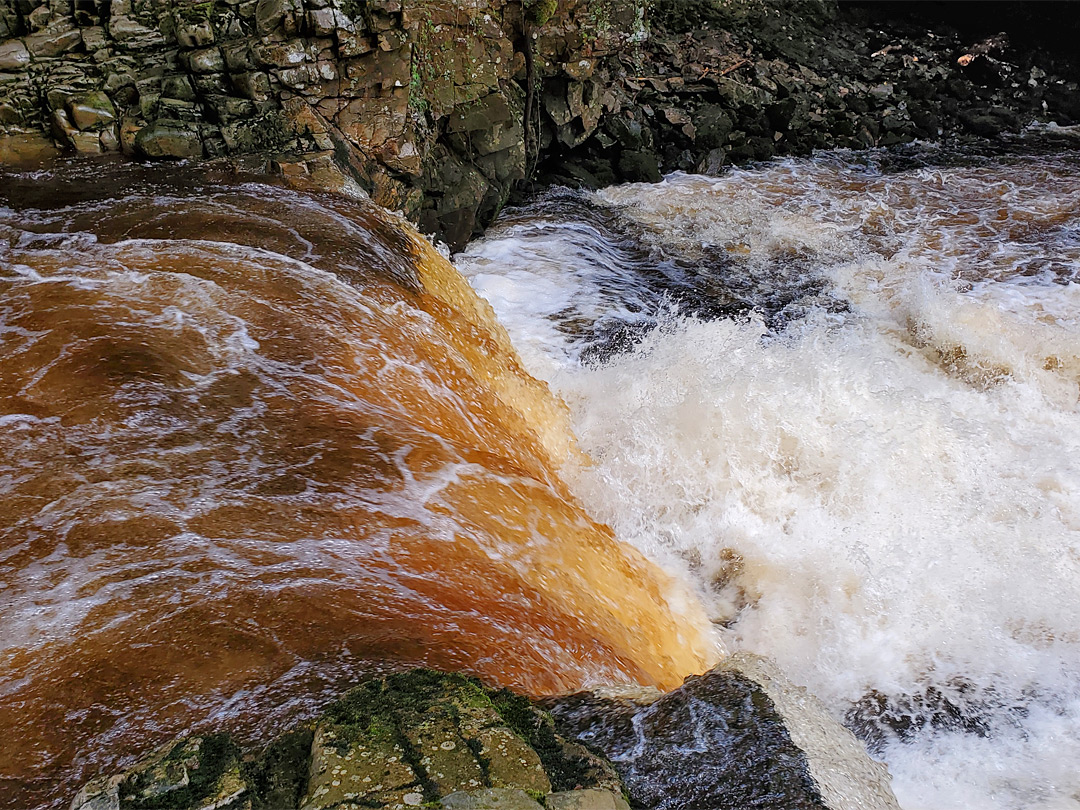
(396, 742)
(441, 108)
(739, 736)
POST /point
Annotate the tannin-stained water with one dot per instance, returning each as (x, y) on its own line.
(841, 396)
(256, 442)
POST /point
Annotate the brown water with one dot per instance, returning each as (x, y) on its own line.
(255, 442)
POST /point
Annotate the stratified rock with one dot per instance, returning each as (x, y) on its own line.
(53, 43)
(13, 55)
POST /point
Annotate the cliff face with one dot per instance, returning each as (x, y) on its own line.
(422, 101)
(440, 108)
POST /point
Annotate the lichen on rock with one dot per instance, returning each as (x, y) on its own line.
(395, 741)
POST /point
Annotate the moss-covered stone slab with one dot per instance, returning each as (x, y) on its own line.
(200, 773)
(393, 743)
(93, 111)
(511, 763)
(168, 140)
(444, 755)
(350, 764)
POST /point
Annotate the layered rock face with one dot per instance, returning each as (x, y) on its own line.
(371, 85)
(422, 102)
(440, 108)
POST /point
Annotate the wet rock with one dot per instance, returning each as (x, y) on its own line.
(13, 55)
(708, 85)
(206, 60)
(990, 122)
(638, 166)
(713, 124)
(586, 800)
(199, 772)
(164, 139)
(739, 736)
(49, 43)
(394, 742)
(92, 111)
(195, 33)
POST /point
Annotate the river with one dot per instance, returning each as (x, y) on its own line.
(256, 442)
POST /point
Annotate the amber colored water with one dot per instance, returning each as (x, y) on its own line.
(256, 442)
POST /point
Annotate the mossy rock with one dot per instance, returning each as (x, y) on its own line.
(538, 12)
(394, 742)
(194, 772)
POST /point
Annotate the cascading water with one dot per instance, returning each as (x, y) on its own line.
(255, 443)
(840, 396)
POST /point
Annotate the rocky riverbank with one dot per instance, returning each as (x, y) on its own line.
(739, 736)
(443, 108)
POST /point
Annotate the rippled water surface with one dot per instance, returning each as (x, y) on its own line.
(840, 396)
(257, 442)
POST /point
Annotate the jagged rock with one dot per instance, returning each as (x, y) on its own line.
(199, 772)
(177, 87)
(194, 33)
(254, 85)
(709, 85)
(269, 14)
(168, 140)
(206, 60)
(739, 736)
(639, 167)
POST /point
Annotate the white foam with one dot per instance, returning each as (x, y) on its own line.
(892, 497)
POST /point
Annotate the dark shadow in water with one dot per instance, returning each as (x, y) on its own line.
(646, 282)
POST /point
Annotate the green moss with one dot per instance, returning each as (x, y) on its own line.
(196, 12)
(539, 12)
(279, 777)
(204, 765)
